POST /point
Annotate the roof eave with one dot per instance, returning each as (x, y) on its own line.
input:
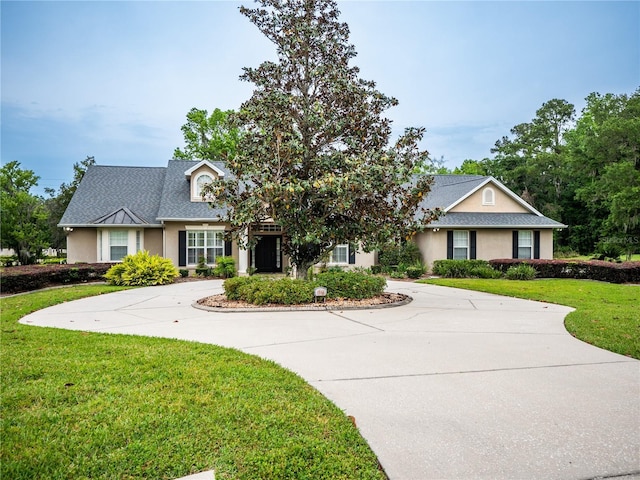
(479, 227)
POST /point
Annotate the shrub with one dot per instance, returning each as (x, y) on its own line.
(407, 253)
(225, 267)
(628, 272)
(9, 260)
(521, 272)
(232, 286)
(485, 271)
(26, 278)
(184, 273)
(458, 268)
(353, 285)
(416, 270)
(142, 269)
(262, 290)
(609, 250)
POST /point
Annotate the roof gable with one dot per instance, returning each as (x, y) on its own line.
(494, 183)
(207, 163)
(122, 216)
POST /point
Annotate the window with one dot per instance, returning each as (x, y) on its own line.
(201, 181)
(115, 244)
(525, 244)
(460, 245)
(340, 254)
(488, 197)
(204, 243)
(118, 242)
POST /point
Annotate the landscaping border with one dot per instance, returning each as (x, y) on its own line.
(316, 307)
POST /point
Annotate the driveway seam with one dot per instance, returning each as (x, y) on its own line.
(491, 370)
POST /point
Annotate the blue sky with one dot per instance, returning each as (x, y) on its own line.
(115, 79)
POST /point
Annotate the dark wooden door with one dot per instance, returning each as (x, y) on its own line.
(267, 253)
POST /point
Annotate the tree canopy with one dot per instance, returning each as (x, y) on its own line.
(58, 202)
(584, 172)
(23, 221)
(208, 137)
(316, 154)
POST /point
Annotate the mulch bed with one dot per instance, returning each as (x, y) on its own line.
(221, 301)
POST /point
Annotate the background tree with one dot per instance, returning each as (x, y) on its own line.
(315, 154)
(208, 137)
(58, 202)
(471, 167)
(533, 161)
(605, 158)
(23, 223)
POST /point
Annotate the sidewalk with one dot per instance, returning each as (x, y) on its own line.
(454, 385)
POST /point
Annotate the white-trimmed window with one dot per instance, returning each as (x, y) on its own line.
(204, 243)
(488, 196)
(525, 244)
(200, 182)
(116, 243)
(340, 254)
(460, 245)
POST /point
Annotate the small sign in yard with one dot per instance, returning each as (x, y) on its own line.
(320, 293)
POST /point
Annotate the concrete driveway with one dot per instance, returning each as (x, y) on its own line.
(454, 385)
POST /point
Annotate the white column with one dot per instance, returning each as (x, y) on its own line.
(243, 257)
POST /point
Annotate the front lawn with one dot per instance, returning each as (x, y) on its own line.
(86, 405)
(607, 315)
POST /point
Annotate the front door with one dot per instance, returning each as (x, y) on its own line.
(267, 254)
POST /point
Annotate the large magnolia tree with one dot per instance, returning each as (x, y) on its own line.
(316, 154)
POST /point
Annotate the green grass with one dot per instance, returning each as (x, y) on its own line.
(86, 405)
(607, 315)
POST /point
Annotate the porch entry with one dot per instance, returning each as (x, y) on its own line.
(266, 256)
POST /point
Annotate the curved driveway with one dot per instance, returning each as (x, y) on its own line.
(454, 385)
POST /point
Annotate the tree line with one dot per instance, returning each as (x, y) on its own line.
(583, 171)
(29, 222)
(312, 150)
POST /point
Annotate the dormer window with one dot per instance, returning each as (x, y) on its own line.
(199, 175)
(201, 181)
(488, 197)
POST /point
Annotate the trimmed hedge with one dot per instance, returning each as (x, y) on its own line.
(261, 290)
(26, 278)
(352, 285)
(627, 272)
(464, 269)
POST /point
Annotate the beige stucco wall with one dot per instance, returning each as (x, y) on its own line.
(433, 246)
(503, 203)
(82, 245)
(490, 244)
(153, 241)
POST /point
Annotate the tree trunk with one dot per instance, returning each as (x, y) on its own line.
(302, 269)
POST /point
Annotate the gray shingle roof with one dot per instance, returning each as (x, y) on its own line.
(120, 195)
(176, 201)
(104, 190)
(494, 220)
(446, 189)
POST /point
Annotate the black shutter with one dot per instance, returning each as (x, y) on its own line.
(182, 248)
(449, 244)
(352, 254)
(536, 244)
(514, 252)
(227, 248)
(472, 240)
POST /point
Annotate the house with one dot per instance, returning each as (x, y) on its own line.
(483, 220)
(119, 210)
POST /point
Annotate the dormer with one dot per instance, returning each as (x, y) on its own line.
(200, 175)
